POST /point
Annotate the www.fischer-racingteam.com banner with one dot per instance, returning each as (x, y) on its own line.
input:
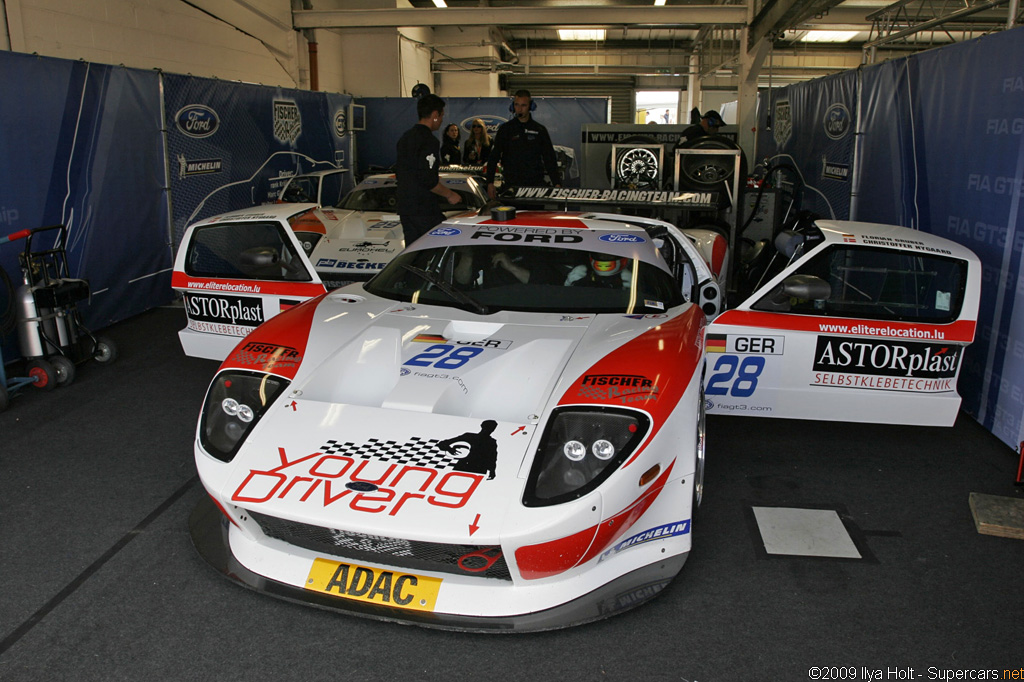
(618, 196)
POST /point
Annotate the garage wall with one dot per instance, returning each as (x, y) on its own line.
(112, 154)
(168, 34)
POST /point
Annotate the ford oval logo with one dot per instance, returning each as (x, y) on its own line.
(445, 232)
(837, 121)
(620, 238)
(491, 122)
(196, 120)
(361, 486)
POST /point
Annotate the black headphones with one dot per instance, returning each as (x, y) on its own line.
(512, 105)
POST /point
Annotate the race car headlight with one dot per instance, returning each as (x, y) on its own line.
(234, 405)
(581, 447)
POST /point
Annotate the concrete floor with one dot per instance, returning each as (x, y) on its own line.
(99, 579)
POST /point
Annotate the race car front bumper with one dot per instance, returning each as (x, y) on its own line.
(210, 531)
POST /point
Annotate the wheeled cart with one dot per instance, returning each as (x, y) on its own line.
(51, 334)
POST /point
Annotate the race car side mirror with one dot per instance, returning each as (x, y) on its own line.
(260, 256)
(799, 287)
(807, 287)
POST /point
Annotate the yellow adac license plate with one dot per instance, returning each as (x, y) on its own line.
(373, 585)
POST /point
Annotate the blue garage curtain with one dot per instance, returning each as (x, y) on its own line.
(234, 145)
(813, 128)
(81, 145)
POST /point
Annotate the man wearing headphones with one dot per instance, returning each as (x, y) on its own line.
(416, 164)
(524, 149)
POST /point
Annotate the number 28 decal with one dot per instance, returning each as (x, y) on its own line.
(444, 356)
(735, 378)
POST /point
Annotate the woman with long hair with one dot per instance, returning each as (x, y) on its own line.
(478, 146)
(450, 155)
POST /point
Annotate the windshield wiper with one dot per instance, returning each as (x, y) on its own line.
(453, 293)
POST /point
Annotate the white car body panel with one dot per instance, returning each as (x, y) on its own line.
(797, 366)
(221, 310)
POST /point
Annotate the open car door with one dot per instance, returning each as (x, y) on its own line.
(863, 323)
(236, 271)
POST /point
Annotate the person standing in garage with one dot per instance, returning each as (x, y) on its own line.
(417, 160)
(524, 149)
(709, 124)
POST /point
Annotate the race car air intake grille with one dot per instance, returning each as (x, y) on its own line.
(472, 560)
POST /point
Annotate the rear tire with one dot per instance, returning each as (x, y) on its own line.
(64, 368)
(105, 351)
(698, 472)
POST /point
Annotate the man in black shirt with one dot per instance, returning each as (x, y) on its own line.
(417, 160)
(708, 125)
(524, 149)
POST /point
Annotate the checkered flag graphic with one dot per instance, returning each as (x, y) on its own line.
(414, 452)
(592, 393)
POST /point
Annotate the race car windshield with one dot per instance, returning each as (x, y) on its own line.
(525, 279)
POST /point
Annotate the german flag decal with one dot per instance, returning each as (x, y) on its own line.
(716, 343)
(430, 338)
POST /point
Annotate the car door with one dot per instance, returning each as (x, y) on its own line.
(858, 329)
(235, 275)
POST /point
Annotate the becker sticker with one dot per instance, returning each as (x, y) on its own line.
(625, 388)
(335, 264)
(885, 365)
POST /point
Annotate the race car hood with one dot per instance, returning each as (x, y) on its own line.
(417, 424)
(343, 224)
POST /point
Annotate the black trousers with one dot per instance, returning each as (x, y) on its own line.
(415, 226)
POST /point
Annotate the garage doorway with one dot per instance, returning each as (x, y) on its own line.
(657, 106)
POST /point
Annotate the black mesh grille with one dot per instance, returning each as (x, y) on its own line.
(472, 560)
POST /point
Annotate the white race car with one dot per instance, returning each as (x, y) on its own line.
(362, 231)
(504, 429)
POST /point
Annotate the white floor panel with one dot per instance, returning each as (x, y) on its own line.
(804, 532)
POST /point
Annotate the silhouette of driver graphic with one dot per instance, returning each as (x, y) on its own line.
(477, 452)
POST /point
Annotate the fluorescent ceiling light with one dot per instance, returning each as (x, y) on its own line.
(659, 3)
(828, 36)
(581, 34)
(439, 3)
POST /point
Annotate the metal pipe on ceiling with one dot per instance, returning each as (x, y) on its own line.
(655, 17)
